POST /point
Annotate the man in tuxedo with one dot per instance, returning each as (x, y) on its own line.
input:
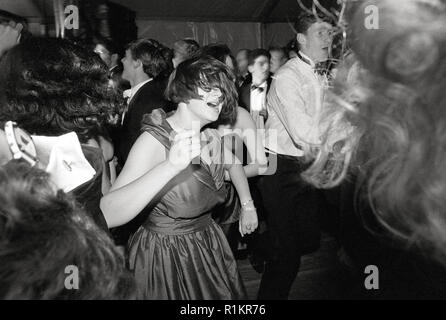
(145, 67)
(294, 105)
(252, 94)
(143, 63)
(252, 97)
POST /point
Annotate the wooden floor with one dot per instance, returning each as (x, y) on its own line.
(320, 276)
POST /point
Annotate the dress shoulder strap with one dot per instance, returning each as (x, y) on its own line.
(156, 124)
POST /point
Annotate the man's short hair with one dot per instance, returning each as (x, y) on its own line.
(305, 20)
(151, 55)
(186, 47)
(254, 54)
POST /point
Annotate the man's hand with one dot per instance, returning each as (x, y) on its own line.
(9, 35)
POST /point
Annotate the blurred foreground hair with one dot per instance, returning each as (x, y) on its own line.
(398, 105)
(42, 232)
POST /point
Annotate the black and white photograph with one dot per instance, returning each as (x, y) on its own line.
(223, 154)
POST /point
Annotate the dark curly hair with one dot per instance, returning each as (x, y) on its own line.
(52, 86)
(205, 73)
(42, 231)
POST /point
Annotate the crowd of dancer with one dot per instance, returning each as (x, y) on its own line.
(147, 168)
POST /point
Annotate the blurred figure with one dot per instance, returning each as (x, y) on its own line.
(220, 52)
(391, 92)
(111, 55)
(397, 103)
(183, 50)
(278, 58)
(44, 235)
(242, 66)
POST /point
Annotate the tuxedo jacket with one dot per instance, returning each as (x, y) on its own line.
(148, 98)
(244, 94)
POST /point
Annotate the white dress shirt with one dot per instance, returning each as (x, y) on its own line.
(294, 107)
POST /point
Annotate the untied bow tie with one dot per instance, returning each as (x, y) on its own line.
(254, 87)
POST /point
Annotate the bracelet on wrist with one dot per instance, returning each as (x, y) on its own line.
(244, 204)
(249, 209)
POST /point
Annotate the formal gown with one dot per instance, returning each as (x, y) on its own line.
(180, 253)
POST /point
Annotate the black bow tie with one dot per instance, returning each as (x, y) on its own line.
(254, 87)
(322, 68)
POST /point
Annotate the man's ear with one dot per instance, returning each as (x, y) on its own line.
(301, 39)
(250, 68)
(137, 64)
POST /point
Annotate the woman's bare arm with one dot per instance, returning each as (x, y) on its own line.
(145, 173)
(247, 130)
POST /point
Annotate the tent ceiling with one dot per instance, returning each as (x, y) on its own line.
(219, 10)
(186, 10)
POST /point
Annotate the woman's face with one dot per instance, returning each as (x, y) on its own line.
(208, 108)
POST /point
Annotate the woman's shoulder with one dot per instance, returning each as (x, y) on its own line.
(155, 124)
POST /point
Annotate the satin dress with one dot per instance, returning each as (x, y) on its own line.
(180, 253)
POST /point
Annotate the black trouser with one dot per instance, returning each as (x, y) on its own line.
(293, 223)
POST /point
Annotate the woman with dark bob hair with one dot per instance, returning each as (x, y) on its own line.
(180, 252)
(49, 248)
(51, 87)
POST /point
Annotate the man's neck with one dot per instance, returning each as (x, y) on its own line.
(258, 81)
(139, 78)
(308, 56)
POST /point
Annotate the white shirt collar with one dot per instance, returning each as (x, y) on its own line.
(307, 58)
(130, 93)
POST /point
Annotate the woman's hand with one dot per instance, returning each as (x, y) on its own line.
(185, 147)
(248, 222)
